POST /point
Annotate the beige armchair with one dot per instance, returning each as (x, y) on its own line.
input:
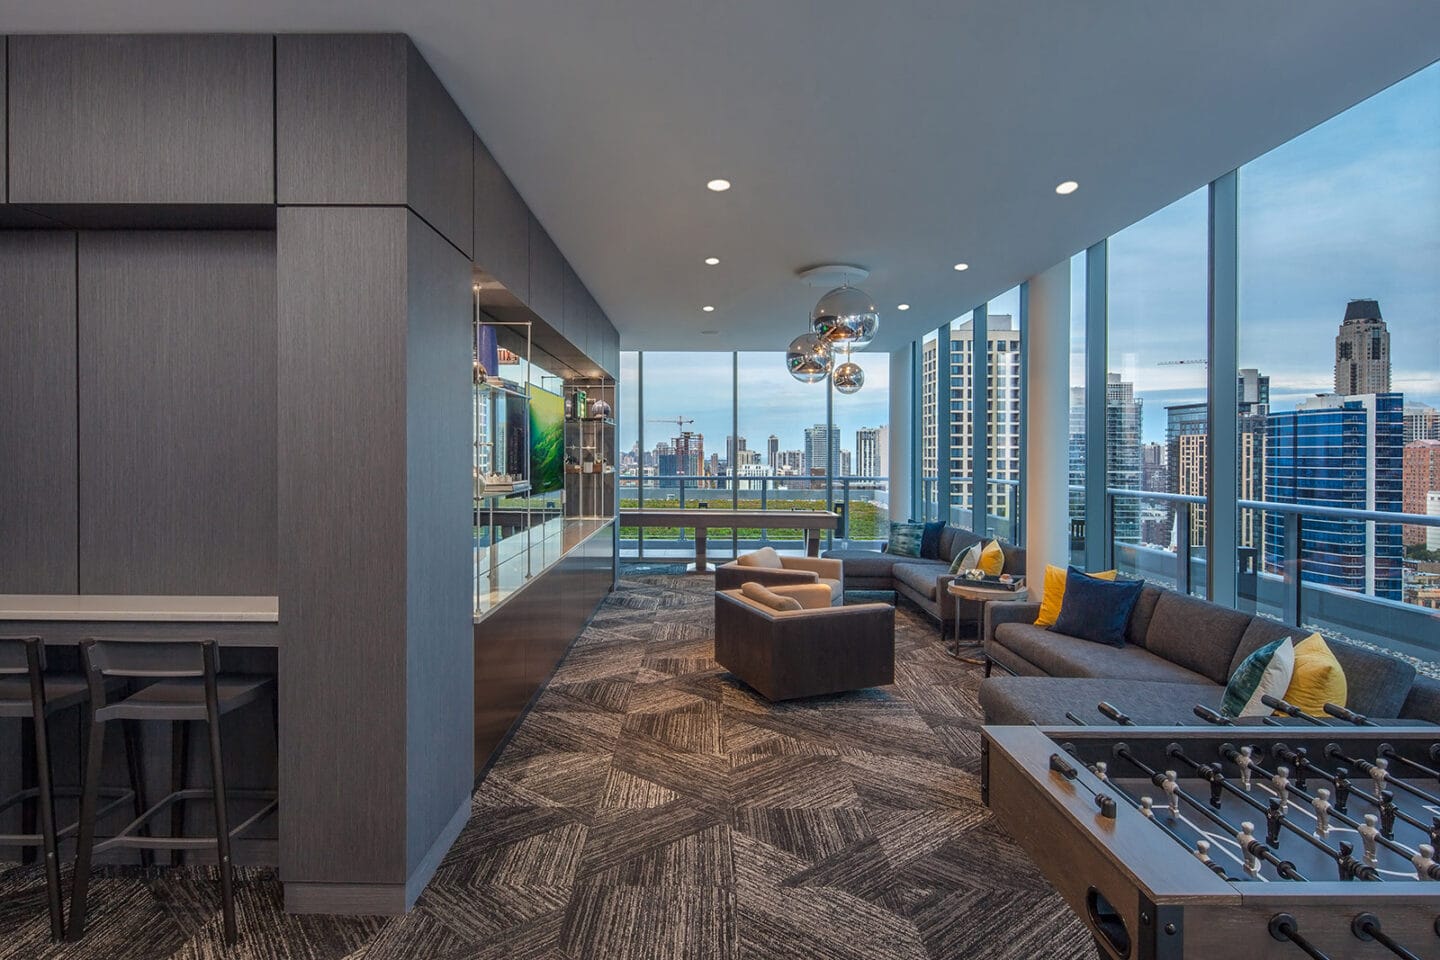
(817, 649)
(767, 567)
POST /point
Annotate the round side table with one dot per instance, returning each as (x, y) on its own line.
(982, 594)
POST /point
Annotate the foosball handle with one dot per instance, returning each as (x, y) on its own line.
(1283, 927)
(1106, 803)
(1063, 767)
(1349, 716)
(1213, 716)
(1114, 713)
(1366, 927)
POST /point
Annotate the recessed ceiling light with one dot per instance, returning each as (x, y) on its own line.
(708, 309)
(962, 266)
(711, 261)
(1068, 187)
(718, 185)
(902, 306)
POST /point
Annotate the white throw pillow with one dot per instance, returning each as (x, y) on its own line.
(1275, 668)
(764, 557)
(968, 560)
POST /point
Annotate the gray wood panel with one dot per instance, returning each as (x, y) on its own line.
(38, 495)
(547, 277)
(573, 321)
(342, 469)
(440, 530)
(340, 118)
(4, 121)
(177, 413)
(502, 226)
(440, 157)
(141, 119)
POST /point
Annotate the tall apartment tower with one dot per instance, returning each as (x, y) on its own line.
(1362, 350)
(1303, 448)
(1124, 414)
(867, 452)
(817, 454)
(772, 450)
(1421, 479)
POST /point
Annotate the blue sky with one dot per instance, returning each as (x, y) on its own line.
(1350, 209)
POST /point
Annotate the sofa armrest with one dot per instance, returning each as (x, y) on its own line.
(826, 567)
(1011, 612)
(812, 596)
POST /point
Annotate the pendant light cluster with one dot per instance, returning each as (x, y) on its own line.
(845, 319)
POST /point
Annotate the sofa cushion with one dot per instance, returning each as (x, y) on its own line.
(865, 563)
(764, 557)
(955, 541)
(764, 596)
(1096, 608)
(1063, 656)
(992, 559)
(1375, 684)
(837, 591)
(1318, 678)
(921, 576)
(1014, 559)
(1019, 701)
(1423, 702)
(1052, 593)
(1195, 634)
(1140, 616)
(1266, 672)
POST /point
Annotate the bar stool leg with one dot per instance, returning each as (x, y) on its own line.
(28, 807)
(222, 816)
(136, 772)
(46, 788)
(85, 845)
(179, 775)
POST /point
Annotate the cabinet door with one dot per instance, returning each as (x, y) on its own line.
(142, 119)
(502, 226)
(440, 157)
(547, 276)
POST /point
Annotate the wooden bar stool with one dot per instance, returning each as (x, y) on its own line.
(29, 694)
(185, 685)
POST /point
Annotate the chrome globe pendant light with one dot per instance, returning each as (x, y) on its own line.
(844, 318)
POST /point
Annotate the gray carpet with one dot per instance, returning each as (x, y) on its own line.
(651, 806)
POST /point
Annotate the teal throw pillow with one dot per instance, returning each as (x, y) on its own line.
(1267, 670)
(905, 539)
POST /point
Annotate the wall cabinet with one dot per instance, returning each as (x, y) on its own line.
(502, 226)
(547, 276)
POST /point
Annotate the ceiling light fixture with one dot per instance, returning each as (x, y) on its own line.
(712, 261)
(902, 306)
(709, 333)
(718, 185)
(962, 267)
(708, 309)
(1066, 188)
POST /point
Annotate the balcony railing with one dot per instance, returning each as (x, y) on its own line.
(863, 503)
(1287, 586)
(1004, 522)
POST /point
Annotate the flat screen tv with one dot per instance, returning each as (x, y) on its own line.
(547, 441)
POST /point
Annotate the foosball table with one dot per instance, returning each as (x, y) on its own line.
(1305, 837)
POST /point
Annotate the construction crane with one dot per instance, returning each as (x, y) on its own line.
(678, 421)
(1176, 363)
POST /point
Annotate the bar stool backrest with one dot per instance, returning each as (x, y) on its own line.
(16, 655)
(150, 659)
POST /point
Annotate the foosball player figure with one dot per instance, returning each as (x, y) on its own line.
(1424, 861)
(1243, 762)
(1212, 775)
(1171, 786)
(1435, 832)
(1274, 820)
(1321, 803)
(1368, 832)
(1101, 769)
(1378, 771)
(1281, 782)
(1343, 786)
(1387, 814)
(1347, 863)
(1147, 807)
(1246, 839)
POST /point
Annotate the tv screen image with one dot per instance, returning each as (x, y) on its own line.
(547, 441)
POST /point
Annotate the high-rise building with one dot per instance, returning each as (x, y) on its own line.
(1002, 357)
(1187, 435)
(1154, 467)
(1077, 458)
(818, 451)
(772, 448)
(845, 462)
(1432, 509)
(1124, 413)
(867, 452)
(789, 462)
(1421, 477)
(1339, 451)
(733, 446)
(1422, 421)
(682, 456)
(1362, 350)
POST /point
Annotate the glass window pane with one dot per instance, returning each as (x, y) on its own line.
(929, 427)
(863, 463)
(1002, 394)
(1339, 258)
(786, 435)
(958, 415)
(1158, 296)
(628, 431)
(1078, 266)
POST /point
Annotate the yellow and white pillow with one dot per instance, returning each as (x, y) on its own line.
(1318, 678)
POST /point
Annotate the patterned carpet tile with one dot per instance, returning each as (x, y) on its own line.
(653, 807)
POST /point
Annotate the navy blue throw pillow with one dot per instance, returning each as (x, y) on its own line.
(1097, 610)
(930, 540)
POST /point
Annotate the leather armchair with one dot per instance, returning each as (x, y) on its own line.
(793, 570)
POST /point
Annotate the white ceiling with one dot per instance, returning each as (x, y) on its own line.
(902, 136)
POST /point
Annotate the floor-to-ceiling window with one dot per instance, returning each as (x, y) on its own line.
(1004, 368)
(1078, 314)
(785, 423)
(1156, 390)
(862, 424)
(1339, 365)
(630, 465)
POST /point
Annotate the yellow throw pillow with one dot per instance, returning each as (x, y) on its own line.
(1054, 594)
(992, 559)
(1318, 678)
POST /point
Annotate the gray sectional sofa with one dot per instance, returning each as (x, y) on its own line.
(922, 581)
(1179, 652)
